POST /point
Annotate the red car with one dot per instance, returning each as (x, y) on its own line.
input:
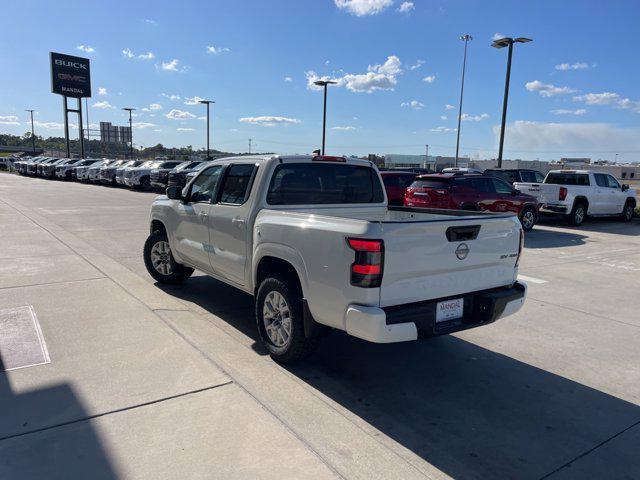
(471, 192)
(395, 184)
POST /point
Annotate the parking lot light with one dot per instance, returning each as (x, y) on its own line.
(207, 103)
(324, 83)
(465, 38)
(33, 138)
(502, 43)
(128, 109)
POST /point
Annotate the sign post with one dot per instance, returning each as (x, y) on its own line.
(71, 77)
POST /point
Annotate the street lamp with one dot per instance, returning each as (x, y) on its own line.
(207, 103)
(465, 38)
(501, 43)
(33, 138)
(130, 130)
(324, 83)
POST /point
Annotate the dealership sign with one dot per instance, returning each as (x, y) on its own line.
(70, 76)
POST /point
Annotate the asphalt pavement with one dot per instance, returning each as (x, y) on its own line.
(112, 376)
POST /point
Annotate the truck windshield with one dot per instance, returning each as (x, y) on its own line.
(324, 183)
(567, 179)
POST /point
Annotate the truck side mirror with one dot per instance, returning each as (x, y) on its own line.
(174, 192)
(625, 187)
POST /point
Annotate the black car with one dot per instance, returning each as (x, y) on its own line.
(159, 176)
(178, 176)
(513, 175)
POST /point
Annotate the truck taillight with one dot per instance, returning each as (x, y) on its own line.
(520, 247)
(366, 270)
(563, 193)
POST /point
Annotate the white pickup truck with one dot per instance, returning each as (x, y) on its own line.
(579, 193)
(313, 240)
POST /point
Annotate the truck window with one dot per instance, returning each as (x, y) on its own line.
(323, 184)
(601, 180)
(500, 186)
(235, 188)
(204, 186)
(612, 182)
(558, 178)
(529, 176)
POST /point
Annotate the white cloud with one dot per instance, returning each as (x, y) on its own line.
(128, 53)
(52, 125)
(546, 89)
(589, 138)
(183, 129)
(572, 66)
(155, 106)
(474, 118)
(85, 48)
(143, 125)
(429, 79)
(288, 79)
(170, 97)
(609, 98)
(269, 121)
(176, 114)
(378, 77)
(443, 117)
(104, 105)
(416, 65)
(360, 8)
(102, 91)
(150, 21)
(217, 50)
(171, 66)
(9, 120)
(346, 128)
(449, 107)
(192, 101)
(415, 104)
(562, 111)
(443, 130)
(406, 7)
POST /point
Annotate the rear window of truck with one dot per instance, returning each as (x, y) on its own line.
(323, 184)
(581, 179)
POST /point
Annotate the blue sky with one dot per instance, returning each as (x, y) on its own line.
(574, 90)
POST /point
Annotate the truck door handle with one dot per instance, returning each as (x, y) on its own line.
(237, 221)
(203, 216)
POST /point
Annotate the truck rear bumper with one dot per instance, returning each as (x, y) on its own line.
(418, 320)
(553, 208)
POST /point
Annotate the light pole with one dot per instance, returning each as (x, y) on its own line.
(501, 43)
(207, 103)
(465, 38)
(324, 83)
(33, 138)
(130, 130)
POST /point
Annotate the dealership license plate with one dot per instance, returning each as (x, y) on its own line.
(449, 310)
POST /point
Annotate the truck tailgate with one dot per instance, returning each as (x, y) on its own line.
(544, 192)
(436, 259)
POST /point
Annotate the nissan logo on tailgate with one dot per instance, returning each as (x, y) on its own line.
(462, 251)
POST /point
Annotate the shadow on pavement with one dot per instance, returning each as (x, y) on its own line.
(470, 412)
(30, 449)
(539, 238)
(596, 224)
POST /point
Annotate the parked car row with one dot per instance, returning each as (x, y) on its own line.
(575, 194)
(144, 175)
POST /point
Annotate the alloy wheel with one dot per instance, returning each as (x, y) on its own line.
(276, 316)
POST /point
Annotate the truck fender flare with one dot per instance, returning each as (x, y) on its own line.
(282, 252)
(580, 199)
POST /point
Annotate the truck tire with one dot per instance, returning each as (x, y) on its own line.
(578, 214)
(280, 321)
(627, 211)
(528, 218)
(160, 262)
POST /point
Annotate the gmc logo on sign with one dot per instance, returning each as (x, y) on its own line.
(64, 63)
(72, 78)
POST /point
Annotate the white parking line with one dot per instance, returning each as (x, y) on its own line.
(531, 279)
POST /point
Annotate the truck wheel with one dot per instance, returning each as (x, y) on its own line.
(627, 211)
(528, 218)
(160, 262)
(280, 321)
(578, 214)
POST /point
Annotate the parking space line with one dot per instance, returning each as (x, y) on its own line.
(531, 279)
